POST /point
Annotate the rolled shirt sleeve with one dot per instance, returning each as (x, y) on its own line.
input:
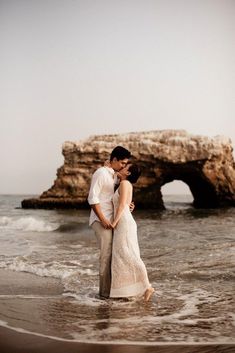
(101, 192)
(97, 183)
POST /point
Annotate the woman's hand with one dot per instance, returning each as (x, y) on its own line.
(123, 173)
(120, 176)
(132, 206)
(106, 223)
(114, 224)
(107, 163)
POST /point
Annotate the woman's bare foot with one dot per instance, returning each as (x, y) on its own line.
(148, 293)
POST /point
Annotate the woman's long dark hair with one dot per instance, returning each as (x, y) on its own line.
(135, 172)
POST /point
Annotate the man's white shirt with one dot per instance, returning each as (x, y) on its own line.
(102, 191)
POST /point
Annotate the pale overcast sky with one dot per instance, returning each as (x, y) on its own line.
(74, 68)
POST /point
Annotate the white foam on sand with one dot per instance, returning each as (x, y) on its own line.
(28, 296)
(89, 299)
(122, 342)
(186, 315)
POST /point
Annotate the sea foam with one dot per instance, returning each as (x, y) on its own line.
(27, 224)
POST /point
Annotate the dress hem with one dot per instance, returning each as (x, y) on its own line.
(129, 291)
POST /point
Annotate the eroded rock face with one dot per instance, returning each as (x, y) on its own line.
(205, 164)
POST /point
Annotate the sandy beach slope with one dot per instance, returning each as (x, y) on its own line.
(14, 342)
(14, 284)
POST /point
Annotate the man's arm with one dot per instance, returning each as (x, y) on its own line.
(97, 182)
(105, 222)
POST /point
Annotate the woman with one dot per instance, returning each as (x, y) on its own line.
(129, 275)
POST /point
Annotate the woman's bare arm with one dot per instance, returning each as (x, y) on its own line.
(124, 191)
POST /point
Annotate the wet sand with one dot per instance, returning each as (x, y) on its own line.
(14, 342)
(15, 284)
(23, 283)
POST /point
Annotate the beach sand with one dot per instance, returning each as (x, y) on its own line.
(14, 285)
(14, 342)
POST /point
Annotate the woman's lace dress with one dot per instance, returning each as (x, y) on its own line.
(129, 275)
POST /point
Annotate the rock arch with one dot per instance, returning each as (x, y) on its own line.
(203, 192)
(205, 164)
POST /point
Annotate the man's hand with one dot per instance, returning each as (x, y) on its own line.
(132, 206)
(106, 223)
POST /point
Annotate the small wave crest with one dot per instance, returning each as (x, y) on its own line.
(27, 224)
(58, 269)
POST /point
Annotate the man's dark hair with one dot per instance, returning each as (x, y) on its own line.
(120, 153)
(135, 172)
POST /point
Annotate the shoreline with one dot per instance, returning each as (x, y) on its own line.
(15, 339)
(18, 342)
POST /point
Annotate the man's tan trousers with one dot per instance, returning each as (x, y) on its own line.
(105, 240)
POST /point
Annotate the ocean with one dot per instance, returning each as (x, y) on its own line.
(49, 275)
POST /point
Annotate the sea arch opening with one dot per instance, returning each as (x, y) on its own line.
(176, 193)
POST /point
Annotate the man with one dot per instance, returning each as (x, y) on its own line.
(101, 217)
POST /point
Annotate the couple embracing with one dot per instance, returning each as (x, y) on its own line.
(122, 273)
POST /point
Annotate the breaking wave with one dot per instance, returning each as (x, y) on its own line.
(27, 224)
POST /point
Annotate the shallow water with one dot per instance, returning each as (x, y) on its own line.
(189, 255)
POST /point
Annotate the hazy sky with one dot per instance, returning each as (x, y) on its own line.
(73, 68)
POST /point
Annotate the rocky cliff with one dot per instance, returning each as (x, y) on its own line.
(205, 164)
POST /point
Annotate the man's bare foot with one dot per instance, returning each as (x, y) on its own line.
(148, 293)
